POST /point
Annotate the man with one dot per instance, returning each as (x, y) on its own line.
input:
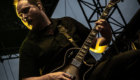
(44, 48)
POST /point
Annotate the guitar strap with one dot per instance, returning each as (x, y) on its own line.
(64, 31)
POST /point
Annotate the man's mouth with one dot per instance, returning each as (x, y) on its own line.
(29, 22)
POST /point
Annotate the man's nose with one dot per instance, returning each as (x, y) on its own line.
(24, 17)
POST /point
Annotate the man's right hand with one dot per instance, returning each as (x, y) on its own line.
(58, 76)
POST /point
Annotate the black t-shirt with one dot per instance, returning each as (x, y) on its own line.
(42, 52)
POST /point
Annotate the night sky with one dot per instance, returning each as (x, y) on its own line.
(128, 9)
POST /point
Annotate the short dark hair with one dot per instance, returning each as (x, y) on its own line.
(34, 2)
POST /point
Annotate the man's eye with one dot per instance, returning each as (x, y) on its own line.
(26, 10)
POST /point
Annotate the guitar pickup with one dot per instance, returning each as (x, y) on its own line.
(72, 76)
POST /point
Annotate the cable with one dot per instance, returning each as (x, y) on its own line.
(11, 70)
(72, 10)
(5, 71)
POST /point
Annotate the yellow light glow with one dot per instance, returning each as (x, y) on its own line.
(25, 23)
(99, 49)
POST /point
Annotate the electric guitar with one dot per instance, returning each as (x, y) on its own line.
(74, 57)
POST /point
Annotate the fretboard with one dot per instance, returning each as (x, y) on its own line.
(85, 47)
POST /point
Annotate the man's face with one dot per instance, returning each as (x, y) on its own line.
(29, 14)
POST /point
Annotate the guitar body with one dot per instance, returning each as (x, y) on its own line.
(77, 73)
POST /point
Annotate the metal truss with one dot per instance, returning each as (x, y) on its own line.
(97, 9)
(9, 53)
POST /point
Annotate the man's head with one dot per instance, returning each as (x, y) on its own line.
(31, 12)
(34, 2)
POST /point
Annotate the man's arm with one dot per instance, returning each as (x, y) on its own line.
(99, 43)
(52, 76)
(102, 42)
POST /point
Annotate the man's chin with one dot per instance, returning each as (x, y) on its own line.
(30, 27)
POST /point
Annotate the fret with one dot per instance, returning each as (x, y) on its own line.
(88, 40)
(85, 47)
(107, 9)
(90, 37)
(83, 51)
(109, 6)
(78, 59)
(87, 43)
(81, 54)
(103, 17)
(93, 33)
(105, 13)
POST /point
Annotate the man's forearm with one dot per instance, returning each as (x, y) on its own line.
(44, 77)
(52, 76)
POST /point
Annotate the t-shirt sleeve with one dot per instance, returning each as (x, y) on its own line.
(28, 63)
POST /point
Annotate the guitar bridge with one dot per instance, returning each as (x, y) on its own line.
(76, 63)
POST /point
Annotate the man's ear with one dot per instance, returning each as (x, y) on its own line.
(39, 5)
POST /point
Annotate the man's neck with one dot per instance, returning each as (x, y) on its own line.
(46, 22)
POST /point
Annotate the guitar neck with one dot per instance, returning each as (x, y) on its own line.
(85, 47)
